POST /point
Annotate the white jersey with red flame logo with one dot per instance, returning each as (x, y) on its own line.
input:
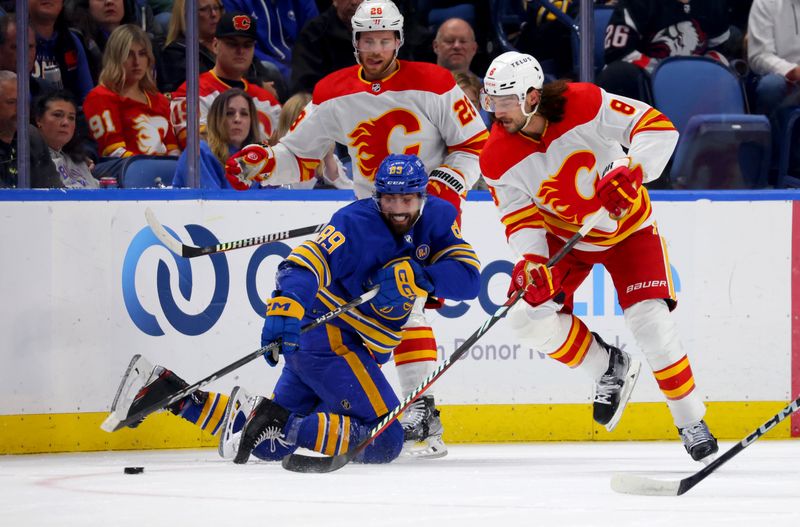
(549, 184)
(417, 110)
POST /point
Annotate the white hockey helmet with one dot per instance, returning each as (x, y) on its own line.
(376, 15)
(512, 73)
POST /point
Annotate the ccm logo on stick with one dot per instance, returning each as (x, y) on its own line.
(645, 285)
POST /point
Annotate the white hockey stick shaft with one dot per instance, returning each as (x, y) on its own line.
(190, 251)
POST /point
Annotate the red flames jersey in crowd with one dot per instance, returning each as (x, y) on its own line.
(549, 184)
(209, 86)
(418, 110)
(124, 127)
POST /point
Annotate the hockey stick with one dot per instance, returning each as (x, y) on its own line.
(301, 463)
(190, 251)
(113, 423)
(642, 485)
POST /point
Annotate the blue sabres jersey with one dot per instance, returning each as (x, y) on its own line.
(328, 272)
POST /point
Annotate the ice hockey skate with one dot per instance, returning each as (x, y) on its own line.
(699, 442)
(240, 404)
(142, 385)
(613, 390)
(265, 423)
(422, 430)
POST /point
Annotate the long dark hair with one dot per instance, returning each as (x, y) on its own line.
(74, 148)
(217, 131)
(553, 101)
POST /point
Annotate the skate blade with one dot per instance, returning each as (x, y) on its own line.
(424, 449)
(708, 459)
(632, 376)
(227, 433)
(111, 422)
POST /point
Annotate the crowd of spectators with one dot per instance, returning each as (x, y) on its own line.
(108, 77)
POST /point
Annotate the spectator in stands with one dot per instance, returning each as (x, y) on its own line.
(472, 85)
(330, 171)
(236, 37)
(55, 116)
(773, 53)
(232, 124)
(643, 32)
(323, 46)
(8, 55)
(42, 171)
(95, 20)
(172, 62)
(277, 24)
(126, 113)
(550, 40)
(455, 46)
(60, 53)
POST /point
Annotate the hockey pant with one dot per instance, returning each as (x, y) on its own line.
(336, 394)
(415, 356)
(642, 278)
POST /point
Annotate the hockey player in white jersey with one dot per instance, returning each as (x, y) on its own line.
(380, 106)
(554, 158)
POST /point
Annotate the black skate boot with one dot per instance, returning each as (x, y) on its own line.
(422, 429)
(266, 422)
(699, 442)
(613, 390)
(142, 385)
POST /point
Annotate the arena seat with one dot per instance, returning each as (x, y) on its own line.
(144, 171)
(721, 145)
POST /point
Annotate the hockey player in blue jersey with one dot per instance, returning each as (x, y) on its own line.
(331, 390)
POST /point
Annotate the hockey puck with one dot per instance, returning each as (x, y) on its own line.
(134, 470)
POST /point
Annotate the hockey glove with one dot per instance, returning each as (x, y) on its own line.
(252, 163)
(284, 314)
(538, 282)
(401, 282)
(449, 185)
(618, 189)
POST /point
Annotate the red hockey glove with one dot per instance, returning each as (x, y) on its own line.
(252, 163)
(449, 185)
(618, 189)
(539, 282)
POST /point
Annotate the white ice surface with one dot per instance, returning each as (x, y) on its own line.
(542, 484)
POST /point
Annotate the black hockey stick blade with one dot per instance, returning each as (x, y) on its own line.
(319, 464)
(636, 484)
(114, 423)
(190, 251)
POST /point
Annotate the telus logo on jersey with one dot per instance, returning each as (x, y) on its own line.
(371, 139)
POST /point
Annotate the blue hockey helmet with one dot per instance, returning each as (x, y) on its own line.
(401, 174)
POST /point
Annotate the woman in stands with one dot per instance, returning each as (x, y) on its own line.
(232, 124)
(55, 115)
(172, 62)
(126, 113)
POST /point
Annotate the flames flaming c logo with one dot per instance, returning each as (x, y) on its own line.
(560, 192)
(371, 139)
